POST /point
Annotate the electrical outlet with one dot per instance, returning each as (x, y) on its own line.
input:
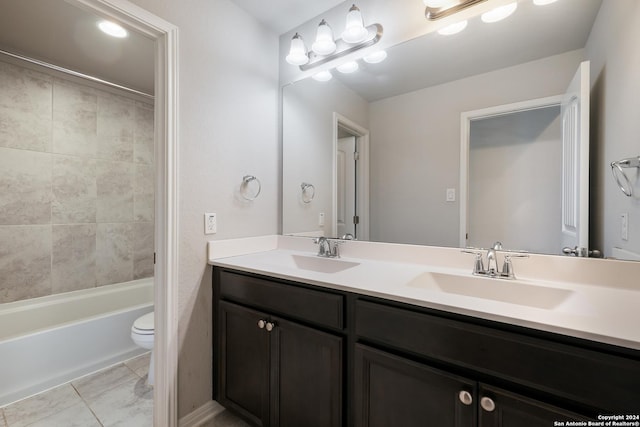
(624, 226)
(451, 195)
(321, 219)
(210, 223)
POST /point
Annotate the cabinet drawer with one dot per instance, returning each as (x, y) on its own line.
(599, 380)
(323, 308)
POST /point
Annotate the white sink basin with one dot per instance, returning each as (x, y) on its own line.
(322, 265)
(504, 290)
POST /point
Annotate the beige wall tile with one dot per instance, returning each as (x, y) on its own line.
(115, 128)
(25, 187)
(115, 191)
(143, 194)
(144, 132)
(25, 262)
(74, 190)
(74, 119)
(73, 263)
(25, 108)
(143, 248)
(114, 253)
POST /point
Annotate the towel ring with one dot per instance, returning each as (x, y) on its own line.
(306, 189)
(623, 181)
(246, 180)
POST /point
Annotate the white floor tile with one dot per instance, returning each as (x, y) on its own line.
(128, 405)
(40, 406)
(140, 364)
(78, 415)
(93, 385)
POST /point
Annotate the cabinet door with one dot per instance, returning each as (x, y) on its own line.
(500, 408)
(244, 363)
(306, 376)
(392, 391)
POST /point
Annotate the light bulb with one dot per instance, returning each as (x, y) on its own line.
(499, 13)
(322, 76)
(436, 4)
(354, 31)
(112, 29)
(453, 28)
(324, 44)
(543, 2)
(298, 51)
(375, 57)
(348, 67)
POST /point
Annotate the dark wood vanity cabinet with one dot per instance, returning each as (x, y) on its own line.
(272, 370)
(329, 358)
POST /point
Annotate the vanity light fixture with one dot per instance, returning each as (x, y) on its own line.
(112, 29)
(437, 9)
(322, 76)
(325, 49)
(375, 57)
(543, 2)
(324, 44)
(499, 13)
(297, 52)
(348, 67)
(453, 28)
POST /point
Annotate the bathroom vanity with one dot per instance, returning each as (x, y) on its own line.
(306, 341)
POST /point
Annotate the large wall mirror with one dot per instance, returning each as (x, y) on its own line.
(459, 138)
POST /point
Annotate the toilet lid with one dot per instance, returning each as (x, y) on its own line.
(144, 323)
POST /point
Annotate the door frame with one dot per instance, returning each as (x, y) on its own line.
(465, 132)
(165, 35)
(362, 185)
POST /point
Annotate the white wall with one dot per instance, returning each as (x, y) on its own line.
(307, 136)
(228, 109)
(415, 146)
(515, 172)
(615, 108)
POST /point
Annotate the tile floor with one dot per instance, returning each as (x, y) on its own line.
(115, 396)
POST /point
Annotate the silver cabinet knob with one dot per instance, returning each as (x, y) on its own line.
(270, 326)
(465, 397)
(261, 324)
(487, 404)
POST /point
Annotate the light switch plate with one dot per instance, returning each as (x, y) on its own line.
(451, 194)
(321, 219)
(210, 223)
(624, 226)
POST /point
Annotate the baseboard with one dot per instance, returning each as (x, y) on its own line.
(201, 415)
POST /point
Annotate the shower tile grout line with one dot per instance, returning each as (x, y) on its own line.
(87, 405)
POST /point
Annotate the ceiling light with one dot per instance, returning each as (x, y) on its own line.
(453, 28)
(543, 2)
(348, 67)
(324, 44)
(375, 57)
(112, 29)
(354, 31)
(499, 13)
(297, 52)
(322, 76)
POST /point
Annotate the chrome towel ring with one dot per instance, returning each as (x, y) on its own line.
(308, 192)
(621, 177)
(250, 191)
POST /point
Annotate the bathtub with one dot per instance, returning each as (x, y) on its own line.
(48, 341)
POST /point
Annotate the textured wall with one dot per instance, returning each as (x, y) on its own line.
(76, 185)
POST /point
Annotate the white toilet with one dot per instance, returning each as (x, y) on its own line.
(142, 333)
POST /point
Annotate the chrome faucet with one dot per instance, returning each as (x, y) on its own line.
(326, 248)
(492, 262)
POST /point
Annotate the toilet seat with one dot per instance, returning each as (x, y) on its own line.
(144, 325)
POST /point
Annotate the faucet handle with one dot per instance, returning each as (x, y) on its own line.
(478, 265)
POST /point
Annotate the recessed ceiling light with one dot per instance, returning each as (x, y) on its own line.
(348, 67)
(112, 29)
(543, 2)
(322, 76)
(453, 28)
(375, 57)
(499, 13)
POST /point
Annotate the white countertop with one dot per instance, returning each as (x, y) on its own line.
(602, 311)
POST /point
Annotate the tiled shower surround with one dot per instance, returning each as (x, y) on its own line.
(76, 185)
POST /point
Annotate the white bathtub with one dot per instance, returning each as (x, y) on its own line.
(51, 340)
